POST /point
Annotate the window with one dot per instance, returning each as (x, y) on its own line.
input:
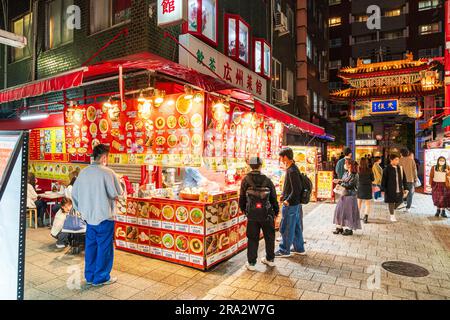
(202, 23)
(308, 47)
(291, 20)
(428, 4)
(335, 64)
(335, 43)
(393, 13)
(365, 38)
(290, 83)
(392, 35)
(277, 75)
(430, 52)
(107, 13)
(315, 103)
(321, 106)
(263, 57)
(57, 31)
(23, 26)
(361, 18)
(335, 21)
(334, 2)
(237, 38)
(429, 28)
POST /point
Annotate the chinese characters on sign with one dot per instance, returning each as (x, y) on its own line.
(388, 106)
(171, 12)
(213, 63)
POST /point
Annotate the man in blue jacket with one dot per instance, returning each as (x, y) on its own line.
(340, 170)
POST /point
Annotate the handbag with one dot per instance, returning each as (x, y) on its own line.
(375, 188)
(339, 190)
(73, 223)
(418, 184)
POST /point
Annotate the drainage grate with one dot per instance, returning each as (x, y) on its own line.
(405, 269)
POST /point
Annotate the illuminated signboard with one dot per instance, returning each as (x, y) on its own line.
(171, 12)
(387, 106)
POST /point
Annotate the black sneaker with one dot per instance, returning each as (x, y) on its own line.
(338, 230)
(438, 213)
(366, 219)
(443, 214)
(347, 232)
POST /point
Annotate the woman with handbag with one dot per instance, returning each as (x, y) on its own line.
(346, 215)
(365, 181)
(377, 172)
(394, 185)
(440, 185)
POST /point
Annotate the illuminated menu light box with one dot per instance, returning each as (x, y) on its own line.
(171, 12)
(383, 107)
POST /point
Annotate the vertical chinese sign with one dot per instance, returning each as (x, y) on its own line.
(171, 12)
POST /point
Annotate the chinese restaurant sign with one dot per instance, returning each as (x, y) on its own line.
(388, 106)
(230, 70)
(171, 12)
(325, 185)
(47, 145)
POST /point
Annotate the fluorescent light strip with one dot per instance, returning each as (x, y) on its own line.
(34, 117)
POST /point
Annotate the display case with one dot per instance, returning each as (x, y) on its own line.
(192, 233)
(262, 57)
(202, 20)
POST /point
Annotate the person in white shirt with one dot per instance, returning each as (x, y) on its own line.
(33, 201)
(62, 238)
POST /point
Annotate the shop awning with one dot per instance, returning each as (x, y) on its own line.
(282, 116)
(446, 122)
(60, 82)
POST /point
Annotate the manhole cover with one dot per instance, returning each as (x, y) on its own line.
(405, 269)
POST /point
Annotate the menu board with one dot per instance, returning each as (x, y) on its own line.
(167, 134)
(47, 145)
(431, 158)
(325, 185)
(6, 148)
(234, 133)
(306, 160)
(186, 232)
(52, 170)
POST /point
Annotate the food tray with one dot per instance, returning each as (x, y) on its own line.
(192, 197)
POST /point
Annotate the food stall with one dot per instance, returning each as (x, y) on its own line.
(430, 160)
(334, 153)
(164, 133)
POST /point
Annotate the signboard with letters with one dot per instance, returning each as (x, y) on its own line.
(171, 12)
(228, 69)
(387, 106)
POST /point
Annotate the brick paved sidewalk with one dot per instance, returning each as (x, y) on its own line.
(336, 266)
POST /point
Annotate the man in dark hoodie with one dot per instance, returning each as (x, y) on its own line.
(258, 200)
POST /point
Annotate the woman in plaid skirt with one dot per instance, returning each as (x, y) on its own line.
(440, 193)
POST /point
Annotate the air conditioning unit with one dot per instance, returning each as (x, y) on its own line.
(281, 96)
(281, 23)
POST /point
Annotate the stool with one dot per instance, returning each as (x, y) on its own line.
(31, 212)
(50, 205)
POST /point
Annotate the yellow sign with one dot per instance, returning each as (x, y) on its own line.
(52, 170)
(325, 185)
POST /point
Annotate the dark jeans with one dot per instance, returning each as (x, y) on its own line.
(253, 231)
(41, 206)
(392, 207)
(410, 186)
(62, 238)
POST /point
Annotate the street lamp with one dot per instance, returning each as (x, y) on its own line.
(12, 39)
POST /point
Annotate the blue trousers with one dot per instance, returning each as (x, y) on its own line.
(291, 229)
(99, 252)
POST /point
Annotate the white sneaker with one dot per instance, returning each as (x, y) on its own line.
(250, 267)
(112, 280)
(60, 246)
(299, 253)
(393, 219)
(267, 262)
(407, 210)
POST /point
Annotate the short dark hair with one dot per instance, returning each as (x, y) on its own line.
(364, 166)
(393, 156)
(255, 163)
(347, 151)
(287, 152)
(32, 179)
(405, 152)
(65, 201)
(99, 151)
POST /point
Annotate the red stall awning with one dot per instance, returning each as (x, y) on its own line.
(282, 116)
(60, 82)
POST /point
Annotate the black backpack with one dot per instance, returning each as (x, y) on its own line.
(258, 206)
(305, 196)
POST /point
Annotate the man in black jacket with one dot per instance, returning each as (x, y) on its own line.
(291, 226)
(260, 216)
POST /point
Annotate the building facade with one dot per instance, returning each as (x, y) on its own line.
(415, 26)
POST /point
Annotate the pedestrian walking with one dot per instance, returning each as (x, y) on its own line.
(393, 183)
(365, 180)
(258, 200)
(409, 167)
(440, 192)
(377, 175)
(346, 214)
(291, 226)
(340, 170)
(94, 194)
